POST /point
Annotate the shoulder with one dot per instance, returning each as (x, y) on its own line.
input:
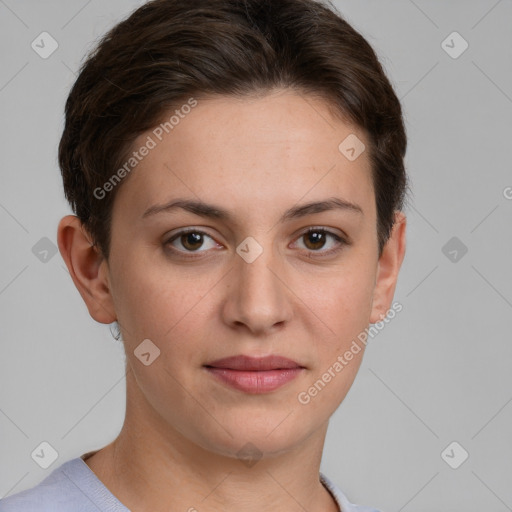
(56, 493)
(71, 486)
(343, 502)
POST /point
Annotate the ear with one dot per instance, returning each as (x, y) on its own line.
(389, 265)
(87, 267)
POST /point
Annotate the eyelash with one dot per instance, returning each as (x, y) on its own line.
(341, 242)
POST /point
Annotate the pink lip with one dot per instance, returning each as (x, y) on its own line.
(255, 374)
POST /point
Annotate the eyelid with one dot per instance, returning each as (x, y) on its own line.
(328, 230)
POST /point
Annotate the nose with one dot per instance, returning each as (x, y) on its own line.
(258, 297)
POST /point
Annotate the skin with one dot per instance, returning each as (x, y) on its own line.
(255, 157)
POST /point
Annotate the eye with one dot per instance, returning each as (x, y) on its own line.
(317, 238)
(191, 240)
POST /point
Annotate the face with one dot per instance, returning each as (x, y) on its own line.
(247, 278)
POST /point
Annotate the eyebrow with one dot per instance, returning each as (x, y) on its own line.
(216, 212)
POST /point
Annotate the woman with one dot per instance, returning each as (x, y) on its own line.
(236, 170)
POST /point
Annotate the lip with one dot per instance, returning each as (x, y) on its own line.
(255, 374)
(242, 362)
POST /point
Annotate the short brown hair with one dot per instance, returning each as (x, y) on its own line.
(169, 50)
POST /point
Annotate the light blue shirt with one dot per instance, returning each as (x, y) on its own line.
(74, 487)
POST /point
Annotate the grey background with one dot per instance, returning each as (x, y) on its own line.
(438, 373)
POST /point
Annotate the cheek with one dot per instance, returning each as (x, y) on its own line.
(158, 302)
(145, 303)
(345, 309)
(343, 302)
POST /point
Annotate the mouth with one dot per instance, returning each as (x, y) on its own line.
(255, 375)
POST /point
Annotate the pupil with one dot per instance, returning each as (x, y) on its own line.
(317, 238)
(192, 238)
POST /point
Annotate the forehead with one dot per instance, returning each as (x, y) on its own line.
(263, 151)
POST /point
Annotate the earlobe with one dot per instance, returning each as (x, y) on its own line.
(389, 265)
(87, 267)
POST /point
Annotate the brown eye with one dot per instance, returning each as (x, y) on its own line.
(315, 239)
(191, 240)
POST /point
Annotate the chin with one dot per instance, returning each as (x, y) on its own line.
(263, 436)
